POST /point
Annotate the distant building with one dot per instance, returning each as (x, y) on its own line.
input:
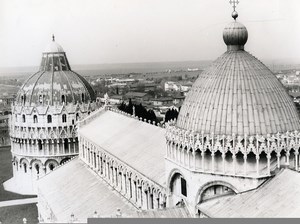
(171, 86)
(162, 101)
(137, 97)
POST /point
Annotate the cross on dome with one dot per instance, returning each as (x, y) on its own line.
(234, 4)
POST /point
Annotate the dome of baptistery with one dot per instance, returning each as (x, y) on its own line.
(45, 118)
(55, 82)
(238, 95)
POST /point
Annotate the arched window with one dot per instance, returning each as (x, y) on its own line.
(63, 98)
(35, 119)
(77, 116)
(23, 118)
(25, 167)
(41, 99)
(82, 97)
(37, 167)
(40, 144)
(64, 118)
(66, 145)
(51, 166)
(49, 118)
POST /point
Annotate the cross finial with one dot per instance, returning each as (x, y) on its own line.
(234, 3)
(53, 37)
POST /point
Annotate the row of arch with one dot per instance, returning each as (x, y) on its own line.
(49, 118)
(60, 146)
(231, 163)
(36, 167)
(41, 98)
(180, 190)
(138, 190)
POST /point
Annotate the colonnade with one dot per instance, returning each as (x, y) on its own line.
(230, 162)
(141, 192)
(44, 147)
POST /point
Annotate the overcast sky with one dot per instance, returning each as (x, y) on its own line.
(121, 31)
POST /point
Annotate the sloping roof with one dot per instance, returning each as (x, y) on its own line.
(135, 94)
(277, 198)
(74, 188)
(139, 144)
(177, 212)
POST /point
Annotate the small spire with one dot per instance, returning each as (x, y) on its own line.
(234, 4)
(53, 37)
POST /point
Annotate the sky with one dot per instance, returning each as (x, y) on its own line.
(129, 31)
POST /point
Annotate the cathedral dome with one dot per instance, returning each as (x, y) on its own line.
(55, 82)
(238, 95)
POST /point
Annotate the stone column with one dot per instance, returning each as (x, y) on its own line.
(57, 146)
(212, 162)
(144, 199)
(223, 161)
(234, 163)
(194, 158)
(245, 164)
(278, 160)
(296, 160)
(202, 160)
(269, 164)
(53, 147)
(287, 158)
(74, 145)
(257, 165)
(189, 162)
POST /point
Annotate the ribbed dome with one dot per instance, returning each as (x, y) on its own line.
(55, 82)
(238, 95)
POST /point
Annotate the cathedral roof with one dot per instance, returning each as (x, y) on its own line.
(136, 143)
(55, 82)
(277, 198)
(76, 189)
(238, 94)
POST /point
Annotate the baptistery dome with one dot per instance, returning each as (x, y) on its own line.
(238, 95)
(55, 82)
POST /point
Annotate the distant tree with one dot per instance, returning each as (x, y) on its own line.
(140, 111)
(171, 114)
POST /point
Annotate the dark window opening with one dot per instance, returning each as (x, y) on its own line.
(37, 167)
(63, 99)
(25, 167)
(40, 144)
(41, 99)
(51, 167)
(183, 187)
(82, 97)
(66, 145)
(77, 117)
(73, 122)
(24, 118)
(49, 119)
(35, 119)
(64, 118)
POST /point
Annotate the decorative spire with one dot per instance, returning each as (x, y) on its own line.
(234, 3)
(53, 37)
